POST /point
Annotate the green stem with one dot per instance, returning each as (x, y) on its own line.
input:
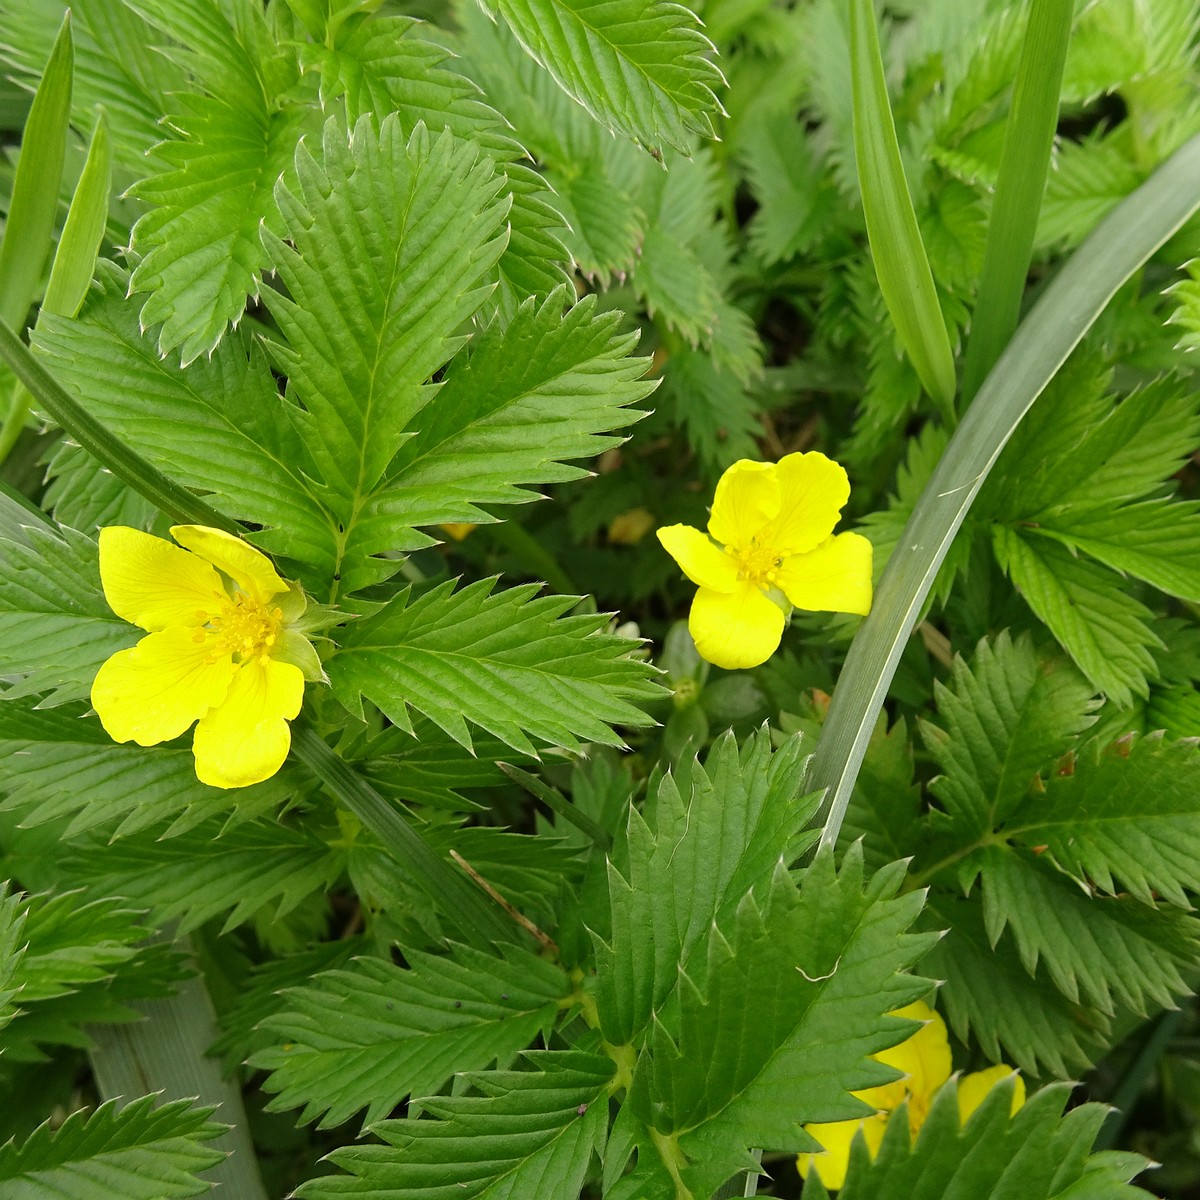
(476, 918)
(175, 501)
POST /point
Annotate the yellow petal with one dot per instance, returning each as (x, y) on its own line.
(836, 1137)
(812, 491)
(746, 499)
(735, 630)
(835, 577)
(973, 1088)
(250, 569)
(246, 739)
(151, 583)
(154, 691)
(924, 1058)
(703, 563)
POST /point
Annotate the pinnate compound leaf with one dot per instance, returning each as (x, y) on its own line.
(567, 375)
(138, 1152)
(59, 763)
(641, 69)
(217, 425)
(1104, 631)
(716, 831)
(529, 1133)
(774, 1029)
(371, 1034)
(510, 663)
(1038, 1153)
(55, 626)
(1005, 719)
(201, 254)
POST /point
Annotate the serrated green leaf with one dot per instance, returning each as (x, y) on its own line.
(531, 1133)
(886, 806)
(59, 764)
(775, 1027)
(206, 872)
(1089, 179)
(55, 626)
(567, 373)
(1006, 718)
(988, 995)
(716, 832)
(371, 1034)
(1125, 816)
(12, 949)
(83, 493)
(640, 69)
(509, 663)
(713, 406)
(1104, 631)
(138, 1152)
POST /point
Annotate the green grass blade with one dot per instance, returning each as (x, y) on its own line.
(901, 263)
(34, 204)
(1064, 313)
(477, 919)
(75, 258)
(1024, 165)
(146, 479)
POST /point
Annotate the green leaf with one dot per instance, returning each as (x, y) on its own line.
(217, 424)
(199, 246)
(567, 374)
(55, 626)
(390, 247)
(60, 764)
(206, 872)
(1105, 632)
(138, 1152)
(1125, 817)
(774, 1029)
(510, 663)
(714, 407)
(1094, 950)
(371, 1034)
(1090, 178)
(33, 204)
(900, 260)
(641, 69)
(716, 832)
(988, 995)
(12, 949)
(530, 1133)
(1005, 719)
(1038, 1153)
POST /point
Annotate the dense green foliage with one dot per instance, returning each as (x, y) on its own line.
(536, 907)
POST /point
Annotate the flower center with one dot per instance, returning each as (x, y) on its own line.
(244, 627)
(758, 564)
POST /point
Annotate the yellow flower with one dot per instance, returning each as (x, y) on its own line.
(925, 1060)
(772, 546)
(222, 650)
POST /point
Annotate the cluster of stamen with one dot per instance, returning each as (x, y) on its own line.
(758, 564)
(241, 626)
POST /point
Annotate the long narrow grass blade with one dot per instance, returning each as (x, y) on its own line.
(34, 204)
(1064, 313)
(1024, 164)
(901, 263)
(476, 918)
(146, 479)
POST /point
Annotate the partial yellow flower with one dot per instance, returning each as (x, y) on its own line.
(222, 650)
(770, 545)
(925, 1060)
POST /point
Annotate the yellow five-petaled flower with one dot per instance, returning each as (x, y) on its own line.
(770, 546)
(222, 650)
(925, 1060)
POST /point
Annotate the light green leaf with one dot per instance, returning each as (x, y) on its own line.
(371, 1034)
(641, 69)
(569, 374)
(12, 949)
(510, 663)
(530, 1133)
(1089, 179)
(714, 406)
(137, 1152)
(1104, 631)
